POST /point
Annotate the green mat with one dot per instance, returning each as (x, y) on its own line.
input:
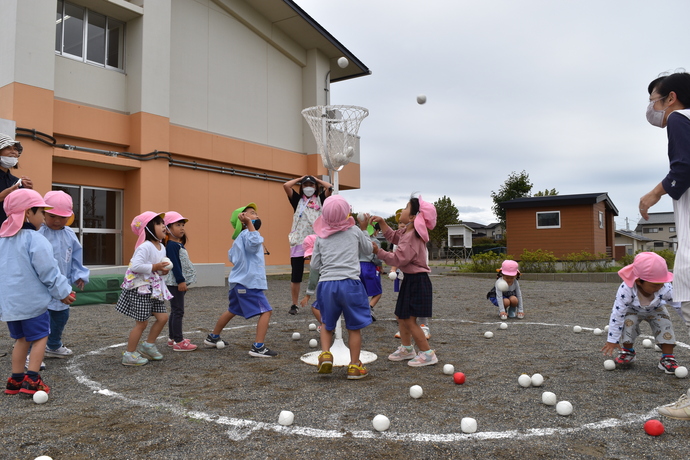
(90, 298)
(99, 283)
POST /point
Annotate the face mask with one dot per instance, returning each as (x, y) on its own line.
(655, 117)
(8, 162)
(308, 191)
(256, 223)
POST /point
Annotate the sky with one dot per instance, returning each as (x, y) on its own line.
(557, 89)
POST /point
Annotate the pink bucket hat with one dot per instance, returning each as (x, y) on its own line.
(15, 205)
(139, 224)
(171, 217)
(647, 266)
(425, 220)
(509, 268)
(62, 205)
(334, 218)
(308, 245)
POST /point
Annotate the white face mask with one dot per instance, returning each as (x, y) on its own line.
(308, 191)
(8, 162)
(655, 117)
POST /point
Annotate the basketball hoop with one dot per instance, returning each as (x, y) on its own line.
(335, 130)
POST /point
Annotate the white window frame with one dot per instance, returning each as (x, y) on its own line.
(538, 213)
(85, 41)
(601, 219)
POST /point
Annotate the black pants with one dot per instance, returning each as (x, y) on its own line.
(176, 314)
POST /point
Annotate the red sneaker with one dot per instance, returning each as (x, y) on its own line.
(13, 386)
(30, 387)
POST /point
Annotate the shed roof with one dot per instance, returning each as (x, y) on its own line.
(560, 200)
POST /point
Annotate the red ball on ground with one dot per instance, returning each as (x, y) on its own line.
(459, 378)
(654, 427)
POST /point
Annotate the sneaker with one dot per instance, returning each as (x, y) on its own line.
(356, 372)
(668, 364)
(423, 359)
(625, 357)
(171, 342)
(326, 362)
(520, 315)
(30, 387)
(212, 343)
(401, 354)
(185, 345)
(427, 334)
(373, 318)
(62, 352)
(512, 312)
(397, 335)
(133, 359)
(262, 352)
(293, 309)
(149, 350)
(26, 364)
(13, 386)
(679, 410)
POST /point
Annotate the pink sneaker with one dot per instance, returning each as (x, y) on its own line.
(185, 345)
(171, 342)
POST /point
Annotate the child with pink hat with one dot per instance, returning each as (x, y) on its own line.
(143, 290)
(643, 296)
(25, 296)
(416, 295)
(69, 255)
(178, 278)
(508, 290)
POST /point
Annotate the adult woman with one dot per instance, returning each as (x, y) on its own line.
(10, 150)
(669, 99)
(307, 204)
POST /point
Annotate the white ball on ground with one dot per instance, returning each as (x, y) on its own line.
(468, 425)
(609, 364)
(548, 398)
(503, 326)
(296, 336)
(525, 380)
(681, 372)
(577, 329)
(343, 62)
(41, 397)
(606, 328)
(597, 331)
(43, 457)
(537, 380)
(313, 343)
(220, 344)
(416, 391)
(564, 408)
(488, 334)
(421, 99)
(647, 343)
(286, 418)
(392, 276)
(381, 423)
(449, 369)
(312, 326)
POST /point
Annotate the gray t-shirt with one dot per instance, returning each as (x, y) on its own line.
(337, 257)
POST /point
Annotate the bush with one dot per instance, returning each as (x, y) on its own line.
(486, 263)
(584, 261)
(538, 261)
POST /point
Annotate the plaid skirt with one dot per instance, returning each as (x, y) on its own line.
(415, 297)
(137, 306)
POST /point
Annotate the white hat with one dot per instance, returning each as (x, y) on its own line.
(6, 141)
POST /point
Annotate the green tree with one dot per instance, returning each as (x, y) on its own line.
(547, 192)
(446, 214)
(516, 186)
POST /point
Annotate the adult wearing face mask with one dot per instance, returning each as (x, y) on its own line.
(669, 103)
(10, 151)
(307, 204)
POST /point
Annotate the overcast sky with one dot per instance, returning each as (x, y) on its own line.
(555, 88)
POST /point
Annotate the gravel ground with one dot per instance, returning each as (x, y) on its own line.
(213, 403)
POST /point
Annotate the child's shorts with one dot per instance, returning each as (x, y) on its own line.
(30, 329)
(659, 321)
(506, 295)
(347, 297)
(371, 278)
(247, 302)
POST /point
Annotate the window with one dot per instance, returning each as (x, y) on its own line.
(90, 37)
(601, 219)
(650, 230)
(97, 222)
(658, 244)
(551, 219)
(672, 229)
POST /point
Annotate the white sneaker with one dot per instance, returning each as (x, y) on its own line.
(402, 354)
(427, 334)
(423, 359)
(26, 365)
(679, 410)
(62, 352)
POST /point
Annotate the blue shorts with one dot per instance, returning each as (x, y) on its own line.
(346, 297)
(31, 329)
(506, 295)
(371, 278)
(247, 302)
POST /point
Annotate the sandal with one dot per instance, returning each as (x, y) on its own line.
(520, 315)
(503, 315)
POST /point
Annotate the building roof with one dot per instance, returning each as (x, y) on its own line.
(560, 200)
(658, 218)
(460, 225)
(472, 225)
(633, 235)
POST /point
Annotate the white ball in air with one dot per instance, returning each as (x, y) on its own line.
(343, 62)
(421, 99)
(502, 286)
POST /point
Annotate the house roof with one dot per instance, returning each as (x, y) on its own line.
(560, 200)
(460, 225)
(473, 225)
(633, 235)
(658, 218)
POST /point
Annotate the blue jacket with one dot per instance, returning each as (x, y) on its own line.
(247, 256)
